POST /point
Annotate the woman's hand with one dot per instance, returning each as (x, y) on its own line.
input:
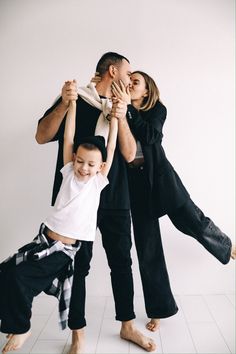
(121, 92)
(96, 78)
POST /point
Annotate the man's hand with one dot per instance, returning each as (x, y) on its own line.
(119, 108)
(69, 92)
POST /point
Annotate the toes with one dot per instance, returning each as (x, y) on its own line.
(151, 326)
(152, 345)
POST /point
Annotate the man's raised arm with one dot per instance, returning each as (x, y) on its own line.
(49, 125)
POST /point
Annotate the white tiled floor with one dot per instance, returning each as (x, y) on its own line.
(204, 324)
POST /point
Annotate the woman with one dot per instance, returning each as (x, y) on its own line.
(156, 190)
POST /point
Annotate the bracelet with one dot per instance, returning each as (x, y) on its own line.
(108, 117)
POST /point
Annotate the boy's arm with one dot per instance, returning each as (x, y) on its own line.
(111, 146)
(69, 133)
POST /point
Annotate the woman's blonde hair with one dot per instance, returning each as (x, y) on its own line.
(153, 94)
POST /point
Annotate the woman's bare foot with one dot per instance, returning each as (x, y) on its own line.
(233, 252)
(9, 335)
(78, 341)
(129, 332)
(15, 341)
(153, 325)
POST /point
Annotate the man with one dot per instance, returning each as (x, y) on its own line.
(113, 214)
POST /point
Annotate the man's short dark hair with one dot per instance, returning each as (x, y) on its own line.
(109, 58)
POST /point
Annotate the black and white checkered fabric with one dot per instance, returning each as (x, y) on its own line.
(61, 286)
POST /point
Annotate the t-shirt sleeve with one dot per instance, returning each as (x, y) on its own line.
(66, 169)
(102, 181)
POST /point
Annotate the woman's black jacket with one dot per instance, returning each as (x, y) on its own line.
(166, 191)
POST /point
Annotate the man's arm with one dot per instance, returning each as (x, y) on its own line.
(111, 145)
(49, 125)
(126, 140)
(69, 133)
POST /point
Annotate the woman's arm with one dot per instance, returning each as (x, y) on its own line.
(69, 133)
(111, 145)
(149, 130)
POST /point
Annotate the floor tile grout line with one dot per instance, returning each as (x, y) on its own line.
(102, 320)
(42, 330)
(232, 303)
(160, 339)
(187, 323)
(212, 315)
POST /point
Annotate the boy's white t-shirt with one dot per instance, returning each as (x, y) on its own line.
(74, 214)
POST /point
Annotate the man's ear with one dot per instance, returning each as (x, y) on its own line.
(112, 71)
(73, 157)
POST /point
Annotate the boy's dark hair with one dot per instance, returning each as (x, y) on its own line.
(109, 58)
(95, 142)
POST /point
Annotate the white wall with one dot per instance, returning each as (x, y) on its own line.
(188, 47)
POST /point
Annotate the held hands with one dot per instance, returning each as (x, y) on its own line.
(121, 97)
(119, 108)
(69, 92)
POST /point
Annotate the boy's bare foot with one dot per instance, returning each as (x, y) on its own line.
(78, 341)
(153, 325)
(15, 341)
(129, 332)
(233, 252)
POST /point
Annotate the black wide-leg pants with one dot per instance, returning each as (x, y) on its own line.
(188, 219)
(115, 228)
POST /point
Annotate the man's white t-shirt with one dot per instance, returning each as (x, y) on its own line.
(74, 214)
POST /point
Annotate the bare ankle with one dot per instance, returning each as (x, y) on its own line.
(127, 324)
(77, 334)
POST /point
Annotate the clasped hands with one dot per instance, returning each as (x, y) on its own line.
(69, 92)
(120, 99)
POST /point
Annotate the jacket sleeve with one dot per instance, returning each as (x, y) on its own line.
(147, 126)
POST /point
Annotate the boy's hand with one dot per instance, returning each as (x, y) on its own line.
(69, 92)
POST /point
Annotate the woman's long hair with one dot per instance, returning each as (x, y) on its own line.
(153, 94)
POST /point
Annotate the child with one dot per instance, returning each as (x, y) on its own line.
(45, 264)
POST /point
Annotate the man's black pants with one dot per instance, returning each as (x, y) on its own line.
(115, 228)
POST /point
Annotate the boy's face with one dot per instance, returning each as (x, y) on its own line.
(87, 163)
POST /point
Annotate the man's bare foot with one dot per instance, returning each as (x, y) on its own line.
(129, 332)
(233, 252)
(78, 341)
(153, 325)
(15, 341)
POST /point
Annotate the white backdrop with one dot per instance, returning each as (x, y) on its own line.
(188, 48)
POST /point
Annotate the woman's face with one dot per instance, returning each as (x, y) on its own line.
(137, 88)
